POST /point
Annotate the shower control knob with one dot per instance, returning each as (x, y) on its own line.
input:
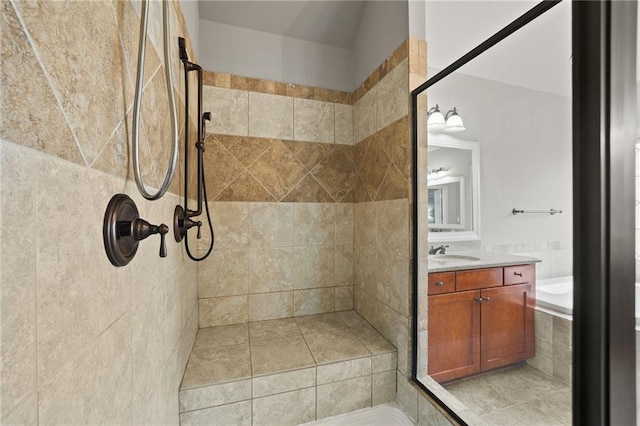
(199, 225)
(141, 229)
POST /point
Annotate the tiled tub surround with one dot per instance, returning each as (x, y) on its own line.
(83, 342)
(287, 371)
(553, 346)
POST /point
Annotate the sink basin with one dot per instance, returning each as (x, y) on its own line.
(449, 259)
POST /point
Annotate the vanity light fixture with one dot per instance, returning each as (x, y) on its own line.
(436, 121)
(451, 122)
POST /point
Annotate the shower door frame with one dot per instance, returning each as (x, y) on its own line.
(604, 102)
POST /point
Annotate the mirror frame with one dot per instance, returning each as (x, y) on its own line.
(474, 147)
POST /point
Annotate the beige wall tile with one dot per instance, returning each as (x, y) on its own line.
(223, 310)
(290, 408)
(383, 387)
(238, 413)
(82, 393)
(269, 270)
(224, 273)
(267, 306)
(229, 110)
(313, 301)
(344, 223)
(364, 115)
(344, 370)
(392, 98)
(344, 265)
(343, 397)
(25, 414)
(269, 225)
(313, 121)
(344, 124)
(314, 266)
(74, 304)
(17, 277)
(270, 116)
(46, 129)
(211, 396)
(384, 362)
(230, 224)
(320, 323)
(313, 224)
(344, 298)
(352, 319)
(63, 45)
(284, 382)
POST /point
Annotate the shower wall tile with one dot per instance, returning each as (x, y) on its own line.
(64, 46)
(89, 395)
(223, 310)
(104, 333)
(364, 116)
(344, 124)
(383, 387)
(270, 116)
(284, 382)
(28, 94)
(313, 121)
(289, 408)
(313, 301)
(343, 397)
(238, 413)
(344, 298)
(266, 306)
(314, 266)
(313, 224)
(18, 276)
(229, 110)
(344, 265)
(392, 96)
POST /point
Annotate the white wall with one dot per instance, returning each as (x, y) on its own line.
(384, 26)
(249, 53)
(192, 19)
(525, 155)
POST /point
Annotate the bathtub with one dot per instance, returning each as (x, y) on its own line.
(555, 295)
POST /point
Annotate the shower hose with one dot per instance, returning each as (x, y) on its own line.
(144, 17)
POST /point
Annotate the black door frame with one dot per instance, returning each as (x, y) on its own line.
(604, 126)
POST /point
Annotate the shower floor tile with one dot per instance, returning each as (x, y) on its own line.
(217, 365)
(335, 346)
(320, 323)
(520, 395)
(273, 329)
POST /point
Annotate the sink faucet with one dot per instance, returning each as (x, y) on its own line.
(442, 249)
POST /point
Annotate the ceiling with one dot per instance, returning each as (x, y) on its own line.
(535, 57)
(333, 23)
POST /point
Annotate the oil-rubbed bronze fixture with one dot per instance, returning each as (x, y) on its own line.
(123, 230)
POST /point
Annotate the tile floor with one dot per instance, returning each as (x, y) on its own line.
(520, 395)
(302, 369)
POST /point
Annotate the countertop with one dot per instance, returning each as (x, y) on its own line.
(486, 260)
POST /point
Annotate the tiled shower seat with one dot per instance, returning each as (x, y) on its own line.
(287, 371)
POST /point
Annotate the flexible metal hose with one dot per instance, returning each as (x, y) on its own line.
(144, 17)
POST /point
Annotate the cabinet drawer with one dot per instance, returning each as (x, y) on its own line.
(519, 274)
(443, 282)
(478, 278)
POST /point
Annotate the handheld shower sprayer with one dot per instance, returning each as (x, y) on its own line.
(183, 217)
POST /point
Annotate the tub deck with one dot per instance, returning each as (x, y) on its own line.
(288, 371)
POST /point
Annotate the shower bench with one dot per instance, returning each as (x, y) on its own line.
(287, 371)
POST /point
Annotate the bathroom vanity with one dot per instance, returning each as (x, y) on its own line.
(480, 313)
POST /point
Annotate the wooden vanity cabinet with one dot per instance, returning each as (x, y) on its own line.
(477, 330)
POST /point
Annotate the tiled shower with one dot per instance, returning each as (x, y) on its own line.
(308, 189)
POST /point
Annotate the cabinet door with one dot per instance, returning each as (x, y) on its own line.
(454, 335)
(507, 325)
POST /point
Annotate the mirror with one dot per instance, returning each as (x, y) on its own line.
(453, 182)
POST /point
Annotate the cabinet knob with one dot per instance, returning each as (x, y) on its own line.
(479, 299)
(440, 284)
(486, 299)
(518, 274)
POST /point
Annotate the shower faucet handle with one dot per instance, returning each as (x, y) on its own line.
(199, 225)
(141, 229)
